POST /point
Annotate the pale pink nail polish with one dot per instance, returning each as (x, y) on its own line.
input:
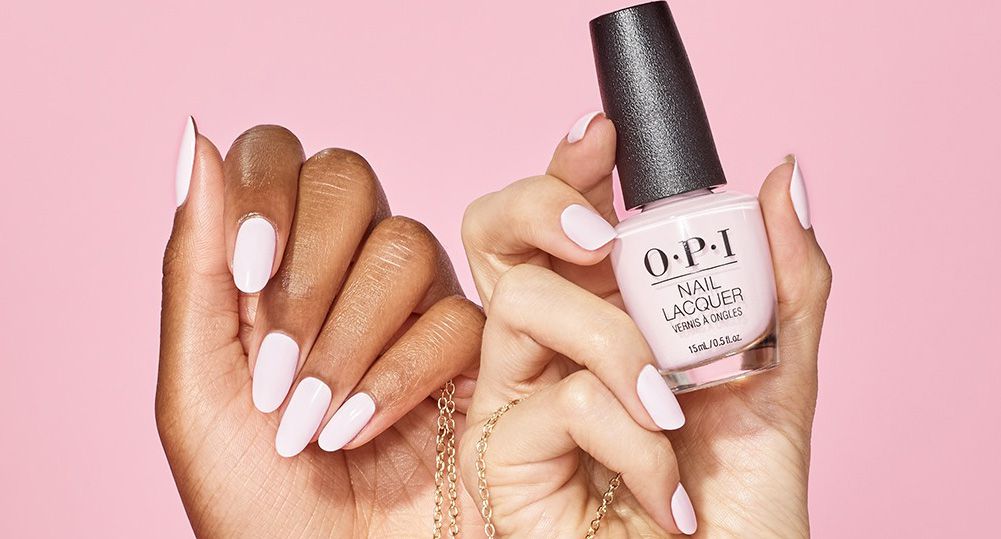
(302, 417)
(274, 371)
(658, 399)
(254, 254)
(797, 192)
(185, 161)
(347, 422)
(586, 228)
(579, 128)
(684, 513)
(694, 267)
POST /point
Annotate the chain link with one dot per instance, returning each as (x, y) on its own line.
(486, 511)
(445, 477)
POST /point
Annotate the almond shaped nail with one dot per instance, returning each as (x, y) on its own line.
(274, 371)
(347, 422)
(185, 161)
(305, 411)
(254, 254)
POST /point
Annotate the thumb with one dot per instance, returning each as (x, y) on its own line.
(803, 284)
(199, 315)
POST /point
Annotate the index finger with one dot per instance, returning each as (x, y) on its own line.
(262, 179)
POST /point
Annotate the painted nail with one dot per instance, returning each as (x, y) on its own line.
(305, 410)
(658, 399)
(274, 371)
(185, 161)
(586, 228)
(684, 513)
(579, 128)
(797, 191)
(254, 254)
(347, 422)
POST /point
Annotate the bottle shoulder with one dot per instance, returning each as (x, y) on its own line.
(688, 208)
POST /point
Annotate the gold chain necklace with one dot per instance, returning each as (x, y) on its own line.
(445, 471)
(444, 464)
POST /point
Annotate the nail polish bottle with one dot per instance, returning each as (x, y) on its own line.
(693, 266)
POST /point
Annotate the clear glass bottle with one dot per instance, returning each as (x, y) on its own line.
(694, 267)
(695, 273)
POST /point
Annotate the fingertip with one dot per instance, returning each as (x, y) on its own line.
(586, 156)
(585, 228)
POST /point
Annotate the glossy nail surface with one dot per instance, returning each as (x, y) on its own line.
(684, 513)
(800, 200)
(302, 417)
(185, 161)
(586, 228)
(579, 128)
(658, 399)
(254, 254)
(347, 422)
(274, 371)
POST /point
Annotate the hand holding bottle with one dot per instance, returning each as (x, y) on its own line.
(557, 337)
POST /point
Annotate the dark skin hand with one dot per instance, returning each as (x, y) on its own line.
(374, 305)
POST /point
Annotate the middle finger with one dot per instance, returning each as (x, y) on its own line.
(339, 199)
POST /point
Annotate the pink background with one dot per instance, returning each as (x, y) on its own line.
(891, 106)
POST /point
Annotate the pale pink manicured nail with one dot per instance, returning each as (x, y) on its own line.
(658, 399)
(305, 410)
(579, 128)
(586, 228)
(185, 161)
(254, 254)
(797, 191)
(347, 422)
(684, 513)
(274, 371)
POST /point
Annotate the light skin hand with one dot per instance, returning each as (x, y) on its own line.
(556, 337)
(373, 306)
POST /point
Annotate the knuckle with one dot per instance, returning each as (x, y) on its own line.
(408, 239)
(262, 156)
(471, 229)
(825, 275)
(454, 313)
(515, 289)
(660, 456)
(615, 334)
(400, 244)
(581, 394)
(266, 134)
(336, 175)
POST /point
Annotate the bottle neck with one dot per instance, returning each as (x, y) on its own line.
(676, 198)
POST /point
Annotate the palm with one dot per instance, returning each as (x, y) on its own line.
(234, 484)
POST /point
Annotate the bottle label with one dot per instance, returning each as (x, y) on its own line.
(698, 288)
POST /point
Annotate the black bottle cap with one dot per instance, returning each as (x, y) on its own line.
(649, 92)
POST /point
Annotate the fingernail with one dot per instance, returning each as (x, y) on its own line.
(274, 371)
(586, 228)
(579, 128)
(254, 254)
(797, 191)
(185, 161)
(302, 417)
(684, 513)
(347, 422)
(658, 399)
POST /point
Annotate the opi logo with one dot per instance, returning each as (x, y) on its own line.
(658, 263)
